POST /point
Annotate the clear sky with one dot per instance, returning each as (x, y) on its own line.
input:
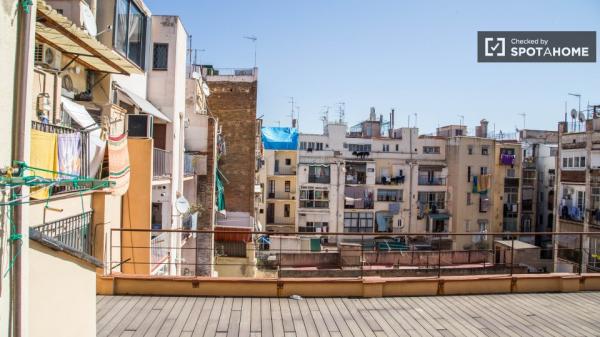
(417, 56)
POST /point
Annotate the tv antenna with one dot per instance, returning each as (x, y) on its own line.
(342, 111)
(252, 38)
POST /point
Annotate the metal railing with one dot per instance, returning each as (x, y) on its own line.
(162, 164)
(188, 165)
(84, 158)
(285, 171)
(432, 181)
(73, 232)
(327, 254)
(319, 179)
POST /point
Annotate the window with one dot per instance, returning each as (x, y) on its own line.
(483, 170)
(287, 185)
(595, 198)
(468, 174)
(507, 151)
(302, 145)
(318, 174)
(160, 56)
(386, 147)
(470, 149)
(576, 162)
(288, 161)
(469, 202)
(581, 201)
(565, 162)
(582, 162)
(431, 149)
(432, 200)
(358, 222)
(319, 146)
(570, 162)
(130, 31)
(359, 147)
(389, 195)
(553, 151)
(484, 150)
(286, 210)
(397, 147)
(313, 197)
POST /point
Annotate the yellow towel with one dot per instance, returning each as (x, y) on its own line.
(485, 181)
(44, 155)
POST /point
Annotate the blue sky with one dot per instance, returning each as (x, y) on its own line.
(416, 56)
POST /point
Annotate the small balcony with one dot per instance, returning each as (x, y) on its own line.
(282, 195)
(188, 165)
(319, 179)
(73, 232)
(397, 180)
(162, 165)
(431, 181)
(507, 159)
(285, 171)
(357, 197)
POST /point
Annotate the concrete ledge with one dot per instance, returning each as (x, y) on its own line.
(346, 287)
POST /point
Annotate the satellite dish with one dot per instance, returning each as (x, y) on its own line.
(182, 205)
(573, 113)
(581, 117)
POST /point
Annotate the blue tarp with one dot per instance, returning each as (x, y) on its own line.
(279, 138)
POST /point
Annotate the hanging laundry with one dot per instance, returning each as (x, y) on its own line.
(43, 155)
(475, 184)
(507, 159)
(118, 163)
(484, 183)
(69, 153)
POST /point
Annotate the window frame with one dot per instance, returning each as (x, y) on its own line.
(143, 26)
(166, 62)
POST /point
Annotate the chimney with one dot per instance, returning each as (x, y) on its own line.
(482, 130)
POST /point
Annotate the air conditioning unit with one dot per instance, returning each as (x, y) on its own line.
(139, 126)
(47, 56)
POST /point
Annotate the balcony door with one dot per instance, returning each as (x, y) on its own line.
(270, 213)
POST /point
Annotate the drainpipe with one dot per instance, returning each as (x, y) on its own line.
(21, 97)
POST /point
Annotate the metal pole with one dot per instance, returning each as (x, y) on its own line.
(581, 253)
(362, 255)
(439, 256)
(512, 255)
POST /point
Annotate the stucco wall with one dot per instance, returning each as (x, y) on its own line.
(62, 294)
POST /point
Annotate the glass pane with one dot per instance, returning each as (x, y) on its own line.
(137, 28)
(121, 26)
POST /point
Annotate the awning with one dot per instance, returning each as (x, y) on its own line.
(143, 104)
(61, 33)
(96, 144)
(439, 216)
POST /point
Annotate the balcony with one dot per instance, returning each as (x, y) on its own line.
(83, 157)
(159, 250)
(285, 171)
(397, 180)
(282, 195)
(319, 179)
(72, 233)
(358, 198)
(188, 165)
(431, 181)
(507, 159)
(162, 165)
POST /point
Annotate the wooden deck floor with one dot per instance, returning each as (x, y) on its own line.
(575, 314)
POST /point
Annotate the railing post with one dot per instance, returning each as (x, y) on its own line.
(362, 254)
(580, 253)
(280, 257)
(512, 255)
(439, 256)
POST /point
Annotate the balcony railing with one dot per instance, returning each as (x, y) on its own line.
(437, 181)
(397, 180)
(84, 159)
(188, 165)
(160, 250)
(319, 179)
(281, 195)
(73, 232)
(308, 253)
(285, 171)
(162, 165)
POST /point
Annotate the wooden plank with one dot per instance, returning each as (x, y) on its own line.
(126, 319)
(200, 325)
(266, 325)
(338, 317)
(190, 323)
(320, 323)
(233, 329)
(182, 318)
(246, 317)
(160, 319)
(225, 315)
(175, 312)
(406, 322)
(276, 319)
(330, 322)
(213, 318)
(309, 323)
(106, 325)
(299, 326)
(255, 315)
(286, 315)
(357, 318)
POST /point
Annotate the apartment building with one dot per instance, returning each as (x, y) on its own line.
(278, 176)
(540, 148)
(578, 194)
(371, 179)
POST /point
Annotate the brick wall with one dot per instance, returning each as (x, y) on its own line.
(234, 104)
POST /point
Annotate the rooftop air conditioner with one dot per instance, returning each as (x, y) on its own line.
(47, 56)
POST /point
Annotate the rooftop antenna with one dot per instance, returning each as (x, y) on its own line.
(252, 38)
(524, 115)
(342, 111)
(573, 118)
(579, 100)
(461, 119)
(292, 102)
(416, 117)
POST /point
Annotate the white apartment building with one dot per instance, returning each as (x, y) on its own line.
(368, 181)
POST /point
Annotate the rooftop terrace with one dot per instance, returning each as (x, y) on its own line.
(573, 314)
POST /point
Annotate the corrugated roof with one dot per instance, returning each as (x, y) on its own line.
(61, 33)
